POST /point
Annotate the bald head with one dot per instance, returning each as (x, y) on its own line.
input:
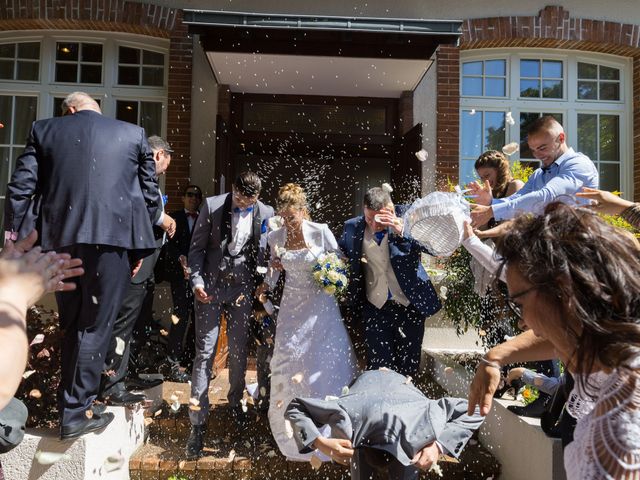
(76, 101)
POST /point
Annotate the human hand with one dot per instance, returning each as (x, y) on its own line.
(276, 264)
(514, 374)
(481, 193)
(480, 215)
(201, 295)
(338, 449)
(604, 202)
(426, 457)
(135, 267)
(168, 225)
(485, 382)
(468, 231)
(387, 217)
(261, 290)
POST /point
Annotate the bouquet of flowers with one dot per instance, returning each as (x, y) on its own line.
(330, 272)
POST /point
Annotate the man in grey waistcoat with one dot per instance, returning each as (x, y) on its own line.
(383, 423)
(227, 245)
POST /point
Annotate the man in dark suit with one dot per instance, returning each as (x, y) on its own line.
(139, 294)
(94, 178)
(383, 423)
(389, 292)
(177, 272)
(228, 244)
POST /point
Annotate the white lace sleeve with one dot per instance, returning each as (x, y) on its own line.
(607, 441)
(271, 278)
(485, 255)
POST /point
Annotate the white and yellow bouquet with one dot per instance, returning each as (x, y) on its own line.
(330, 272)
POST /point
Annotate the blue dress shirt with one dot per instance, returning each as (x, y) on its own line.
(560, 181)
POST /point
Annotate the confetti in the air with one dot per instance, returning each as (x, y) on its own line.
(114, 462)
(509, 119)
(297, 378)
(39, 338)
(49, 458)
(35, 393)
(315, 462)
(422, 155)
(119, 346)
(387, 188)
(175, 319)
(510, 148)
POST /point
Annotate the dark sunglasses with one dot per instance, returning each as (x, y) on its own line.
(514, 307)
(193, 194)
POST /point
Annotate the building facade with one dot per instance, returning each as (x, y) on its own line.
(336, 95)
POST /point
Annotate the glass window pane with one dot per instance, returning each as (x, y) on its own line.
(27, 71)
(152, 58)
(5, 167)
(494, 87)
(609, 176)
(472, 86)
(129, 55)
(29, 50)
(129, 75)
(472, 68)
(471, 134)
(587, 90)
(7, 50)
(6, 111)
(530, 88)
(153, 76)
(92, 52)
(24, 116)
(495, 67)
(588, 135)
(91, 73)
(552, 89)
(127, 111)
(551, 69)
(467, 172)
(67, 51)
(67, 72)
(529, 68)
(608, 73)
(494, 132)
(57, 107)
(609, 91)
(587, 70)
(6, 69)
(151, 117)
(609, 138)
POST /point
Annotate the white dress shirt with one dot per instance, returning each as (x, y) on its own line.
(190, 220)
(241, 224)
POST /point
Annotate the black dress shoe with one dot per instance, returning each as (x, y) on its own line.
(124, 398)
(93, 424)
(98, 408)
(534, 410)
(179, 375)
(137, 383)
(195, 442)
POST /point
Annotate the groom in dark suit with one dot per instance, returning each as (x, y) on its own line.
(94, 178)
(389, 293)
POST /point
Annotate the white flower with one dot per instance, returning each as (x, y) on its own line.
(422, 155)
(330, 289)
(387, 188)
(510, 148)
(509, 118)
(333, 276)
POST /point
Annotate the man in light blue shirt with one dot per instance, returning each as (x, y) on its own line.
(563, 173)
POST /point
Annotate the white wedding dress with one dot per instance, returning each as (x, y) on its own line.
(313, 355)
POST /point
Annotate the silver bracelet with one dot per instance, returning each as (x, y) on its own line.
(489, 363)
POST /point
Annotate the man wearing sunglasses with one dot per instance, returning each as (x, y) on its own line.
(180, 350)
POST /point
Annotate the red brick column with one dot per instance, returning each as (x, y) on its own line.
(448, 115)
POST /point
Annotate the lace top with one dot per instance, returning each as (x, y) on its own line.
(606, 441)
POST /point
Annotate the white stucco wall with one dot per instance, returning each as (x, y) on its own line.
(204, 107)
(424, 111)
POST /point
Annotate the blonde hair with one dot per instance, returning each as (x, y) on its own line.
(291, 195)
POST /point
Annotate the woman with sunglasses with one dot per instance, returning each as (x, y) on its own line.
(575, 281)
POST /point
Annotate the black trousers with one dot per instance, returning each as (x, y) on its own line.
(87, 316)
(181, 351)
(119, 352)
(393, 337)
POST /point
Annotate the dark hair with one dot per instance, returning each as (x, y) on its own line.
(159, 143)
(248, 184)
(543, 124)
(590, 271)
(185, 189)
(377, 198)
(496, 160)
(378, 459)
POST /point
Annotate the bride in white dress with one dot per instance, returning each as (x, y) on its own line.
(313, 355)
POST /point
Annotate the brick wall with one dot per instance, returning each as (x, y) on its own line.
(130, 17)
(552, 28)
(448, 114)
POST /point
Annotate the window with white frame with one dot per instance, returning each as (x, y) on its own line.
(587, 93)
(38, 71)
